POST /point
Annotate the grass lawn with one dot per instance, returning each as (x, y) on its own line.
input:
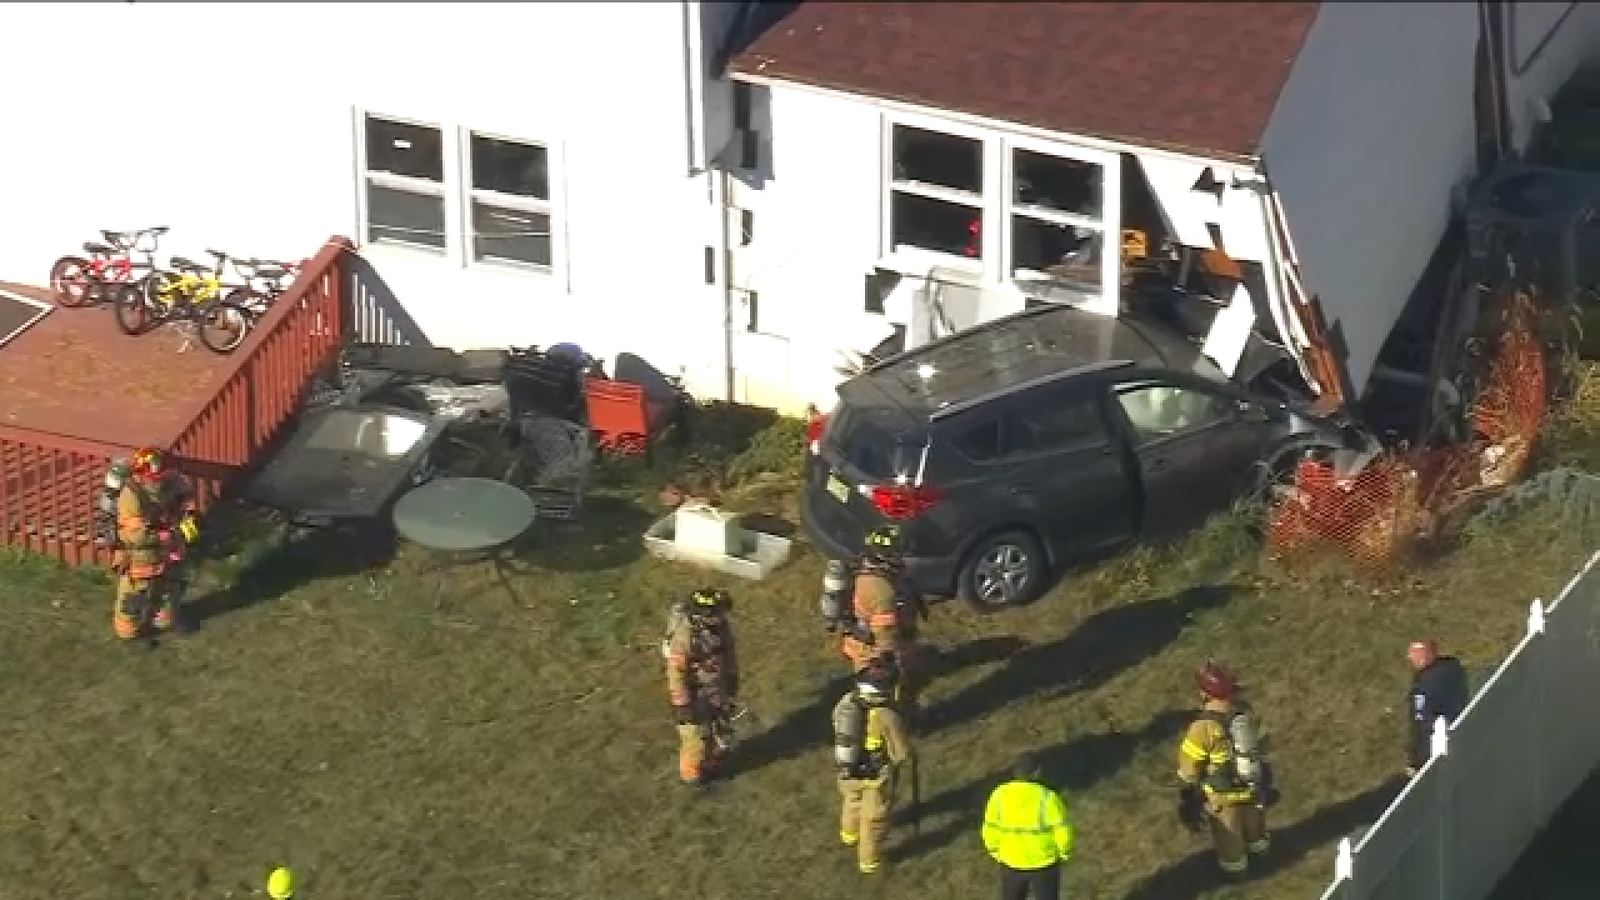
(388, 745)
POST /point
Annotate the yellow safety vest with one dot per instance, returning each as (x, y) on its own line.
(1025, 826)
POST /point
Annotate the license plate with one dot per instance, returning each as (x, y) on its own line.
(839, 490)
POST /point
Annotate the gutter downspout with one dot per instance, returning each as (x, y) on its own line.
(723, 201)
(694, 86)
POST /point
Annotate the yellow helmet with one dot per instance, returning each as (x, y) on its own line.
(710, 600)
(884, 540)
(280, 884)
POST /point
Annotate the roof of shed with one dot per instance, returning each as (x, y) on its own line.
(1192, 76)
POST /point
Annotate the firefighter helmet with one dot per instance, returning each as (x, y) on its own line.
(147, 464)
(884, 540)
(709, 600)
(1215, 681)
(878, 681)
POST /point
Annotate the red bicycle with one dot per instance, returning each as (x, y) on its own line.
(77, 281)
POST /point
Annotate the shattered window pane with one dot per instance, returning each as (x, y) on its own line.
(1057, 184)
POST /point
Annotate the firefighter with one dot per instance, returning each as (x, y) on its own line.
(885, 613)
(155, 525)
(1438, 689)
(1226, 782)
(870, 748)
(702, 681)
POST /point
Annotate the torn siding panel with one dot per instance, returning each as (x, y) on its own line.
(1370, 136)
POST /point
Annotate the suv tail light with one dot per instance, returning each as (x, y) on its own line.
(904, 502)
(815, 423)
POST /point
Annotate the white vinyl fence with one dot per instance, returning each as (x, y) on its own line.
(1529, 738)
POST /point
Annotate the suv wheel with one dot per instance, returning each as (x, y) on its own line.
(1004, 569)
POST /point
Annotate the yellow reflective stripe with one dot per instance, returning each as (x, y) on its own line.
(1192, 750)
(1220, 757)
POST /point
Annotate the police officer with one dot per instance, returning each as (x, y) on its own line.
(702, 681)
(1223, 774)
(1438, 688)
(885, 612)
(871, 747)
(1025, 830)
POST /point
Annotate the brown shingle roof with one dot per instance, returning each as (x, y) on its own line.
(1193, 76)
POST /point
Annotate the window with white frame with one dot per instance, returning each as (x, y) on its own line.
(935, 192)
(509, 212)
(403, 166)
(1058, 221)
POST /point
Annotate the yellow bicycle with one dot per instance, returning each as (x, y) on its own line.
(185, 291)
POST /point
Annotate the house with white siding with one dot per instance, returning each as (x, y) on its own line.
(514, 173)
(965, 160)
(859, 175)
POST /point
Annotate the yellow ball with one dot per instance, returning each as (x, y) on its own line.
(280, 884)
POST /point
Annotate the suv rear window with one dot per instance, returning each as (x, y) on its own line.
(869, 448)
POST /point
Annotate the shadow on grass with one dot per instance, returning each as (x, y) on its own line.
(1071, 766)
(608, 534)
(1107, 643)
(288, 561)
(767, 524)
(1198, 873)
(808, 728)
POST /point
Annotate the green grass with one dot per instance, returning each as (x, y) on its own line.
(389, 745)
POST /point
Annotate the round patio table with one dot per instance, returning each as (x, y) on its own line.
(465, 519)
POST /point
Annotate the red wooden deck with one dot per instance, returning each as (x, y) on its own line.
(76, 393)
(75, 374)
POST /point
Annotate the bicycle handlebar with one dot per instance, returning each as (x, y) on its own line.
(128, 241)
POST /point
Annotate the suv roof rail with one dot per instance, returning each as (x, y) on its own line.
(979, 328)
(953, 409)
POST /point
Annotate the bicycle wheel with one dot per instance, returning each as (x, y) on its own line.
(223, 326)
(69, 282)
(251, 301)
(133, 312)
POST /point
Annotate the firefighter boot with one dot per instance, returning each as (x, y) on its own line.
(124, 617)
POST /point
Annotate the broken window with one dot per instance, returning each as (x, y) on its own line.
(936, 192)
(1042, 183)
(1057, 222)
(510, 201)
(403, 165)
(1069, 255)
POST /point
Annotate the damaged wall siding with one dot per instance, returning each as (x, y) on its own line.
(1548, 41)
(1370, 136)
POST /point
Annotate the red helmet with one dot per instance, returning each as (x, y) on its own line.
(1215, 681)
(148, 464)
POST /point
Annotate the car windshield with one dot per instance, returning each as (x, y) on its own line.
(872, 450)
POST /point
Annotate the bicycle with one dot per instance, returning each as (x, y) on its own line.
(185, 291)
(265, 280)
(78, 281)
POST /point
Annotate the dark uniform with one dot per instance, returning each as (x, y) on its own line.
(702, 681)
(1438, 688)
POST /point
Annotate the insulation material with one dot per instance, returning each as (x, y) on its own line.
(1230, 331)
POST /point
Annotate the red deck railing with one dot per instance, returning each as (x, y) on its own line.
(49, 483)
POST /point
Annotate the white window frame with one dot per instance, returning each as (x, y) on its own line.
(917, 261)
(550, 207)
(1109, 225)
(420, 186)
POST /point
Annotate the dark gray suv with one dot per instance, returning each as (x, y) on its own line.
(1047, 437)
